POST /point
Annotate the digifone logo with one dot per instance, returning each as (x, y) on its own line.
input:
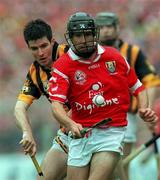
(96, 93)
(90, 107)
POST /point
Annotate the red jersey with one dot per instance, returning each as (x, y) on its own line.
(77, 81)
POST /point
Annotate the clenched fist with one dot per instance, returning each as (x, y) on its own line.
(149, 116)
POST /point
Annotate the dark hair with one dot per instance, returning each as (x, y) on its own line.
(37, 29)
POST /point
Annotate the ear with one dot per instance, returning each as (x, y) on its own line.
(52, 41)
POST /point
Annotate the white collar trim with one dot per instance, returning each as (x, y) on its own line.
(74, 57)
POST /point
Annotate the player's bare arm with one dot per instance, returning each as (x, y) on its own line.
(22, 121)
(145, 112)
(61, 115)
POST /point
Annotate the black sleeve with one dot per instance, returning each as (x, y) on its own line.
(142, 66)
(29, 88)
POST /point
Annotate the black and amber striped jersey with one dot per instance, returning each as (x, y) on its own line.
(143, 68)
(36, 83)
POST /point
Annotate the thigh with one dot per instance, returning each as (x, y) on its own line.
(54, 165)
(127, 149)
(130, 135)
(102, 165)
(79, 152)
(78, 173)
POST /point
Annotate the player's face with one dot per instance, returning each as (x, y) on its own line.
(83, 41)
(107, 33)
(42, 51)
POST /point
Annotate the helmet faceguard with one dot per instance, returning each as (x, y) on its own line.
(82, 24)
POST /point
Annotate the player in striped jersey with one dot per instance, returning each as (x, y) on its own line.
(45, 50)
(108, 24)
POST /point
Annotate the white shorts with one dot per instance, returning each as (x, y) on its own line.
(130, 136)
(63, 137)
(81, 150)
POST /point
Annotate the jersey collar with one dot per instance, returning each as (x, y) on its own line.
(74, 57)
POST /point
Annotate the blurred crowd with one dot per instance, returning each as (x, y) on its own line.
(139, 20)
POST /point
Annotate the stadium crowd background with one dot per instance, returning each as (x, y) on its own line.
(139, 20)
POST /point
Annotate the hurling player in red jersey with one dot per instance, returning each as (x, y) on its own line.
(87, 71)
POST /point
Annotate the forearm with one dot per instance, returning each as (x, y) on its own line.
(143, 100)
(145, 112)
(63, 118)
(152, 95)
(22, 119)
(61, 115)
